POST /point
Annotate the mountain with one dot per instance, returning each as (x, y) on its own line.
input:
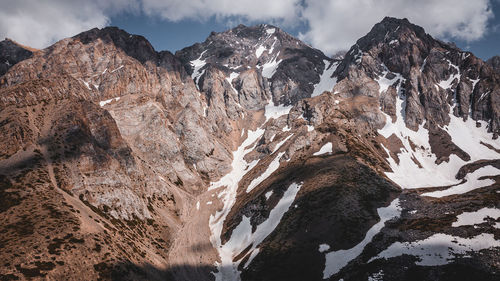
(284, 61)
(250, 156)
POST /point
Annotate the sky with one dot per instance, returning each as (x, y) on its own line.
(329, 25)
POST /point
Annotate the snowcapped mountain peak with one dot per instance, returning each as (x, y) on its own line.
(277, 57)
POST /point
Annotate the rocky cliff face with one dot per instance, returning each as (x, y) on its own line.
(12, 53)
(250, 156)
(257, 59)
(436, 75)
(494, 62)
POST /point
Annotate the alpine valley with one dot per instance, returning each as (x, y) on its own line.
(249, 156)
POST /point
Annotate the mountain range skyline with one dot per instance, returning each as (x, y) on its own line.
(330, 26)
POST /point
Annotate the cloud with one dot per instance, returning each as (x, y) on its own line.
(332, 25)
(249, 10)
(41, 23)
(335, 25)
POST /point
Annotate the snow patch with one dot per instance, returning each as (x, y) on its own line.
(259, 51)
(384, 82)
(272, 46)
(446, 84)
(243, 238)
(477, 217)
(472, 182)
(483, 95)
(326, 82)
(273, 166)
(279, 144)
(197, 64)
(270, 30)
(272, 138)
(232, 76)
(116, 69)
(327, 148)
(269, 68)
(103, 103)
(230, 79)
(377, 276)
(439, 249)
(467, 136)
(275, 111)
(324, 248)
(268, 194)
(86, 84)
(474, 82)
(336, 260)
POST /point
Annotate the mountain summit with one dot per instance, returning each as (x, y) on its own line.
(267, 51)
(249, 156)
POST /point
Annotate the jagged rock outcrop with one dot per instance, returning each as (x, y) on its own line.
(494, 62)
(429, 68)
(12, 53)
(249, 156)
(254, 56)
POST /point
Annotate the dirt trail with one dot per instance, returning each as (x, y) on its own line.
(192, 255)
(87, 224)
(86, 215)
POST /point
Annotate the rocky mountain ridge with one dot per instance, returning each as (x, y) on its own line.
(250, 156)
(12, 53)
(494, 62)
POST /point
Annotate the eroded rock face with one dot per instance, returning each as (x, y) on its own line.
(282, 65)
(118, 129)
(494, 62)
(436, 75)
(132, 164)
(12, 53)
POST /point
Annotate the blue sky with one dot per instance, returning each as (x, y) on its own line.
(329, 25)
(489, 45)
(165, 34)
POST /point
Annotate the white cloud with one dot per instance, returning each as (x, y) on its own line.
(335, 25)
(332, 24)
(250, 10)
(41, 23)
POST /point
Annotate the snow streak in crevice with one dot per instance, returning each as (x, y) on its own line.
(336, 260)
